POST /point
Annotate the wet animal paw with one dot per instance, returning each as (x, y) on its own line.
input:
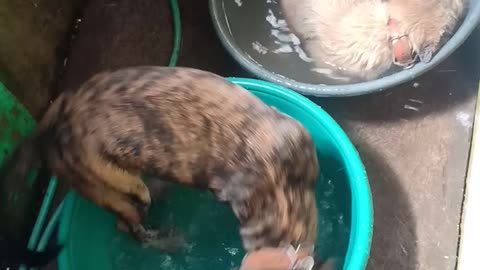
(170, 242)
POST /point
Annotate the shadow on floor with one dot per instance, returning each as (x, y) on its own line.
(394, 235)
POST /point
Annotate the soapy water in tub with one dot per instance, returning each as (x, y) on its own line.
(211, 231)
(263, 35)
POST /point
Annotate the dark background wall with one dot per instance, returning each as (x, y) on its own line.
(33, 38)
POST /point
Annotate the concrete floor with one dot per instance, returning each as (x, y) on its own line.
(414, 139)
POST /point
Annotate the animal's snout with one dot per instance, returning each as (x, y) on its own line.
(402, 51)
(403, 54)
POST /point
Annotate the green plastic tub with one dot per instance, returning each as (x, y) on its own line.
(210, 229)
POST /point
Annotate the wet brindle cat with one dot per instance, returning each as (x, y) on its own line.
(186, 126)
